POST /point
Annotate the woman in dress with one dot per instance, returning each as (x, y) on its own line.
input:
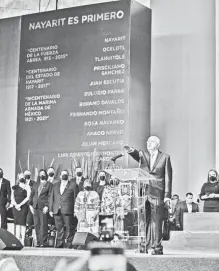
(210, 192)
(86, 209)
(20, 198)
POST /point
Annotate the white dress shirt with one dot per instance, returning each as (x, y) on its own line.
(153, 158)
(189, 206)
(62, 186)
(78, 180)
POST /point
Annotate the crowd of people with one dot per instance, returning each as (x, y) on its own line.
(76, 204)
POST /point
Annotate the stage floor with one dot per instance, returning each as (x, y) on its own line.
(45, 259)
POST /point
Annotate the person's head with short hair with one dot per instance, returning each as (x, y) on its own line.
(79, 171)
(212, 176)
(51, 171)
(43, 175)
(189, 198)
(1, 173)
(153, 144)
(27, 174)
(64, 175)
(175, 199)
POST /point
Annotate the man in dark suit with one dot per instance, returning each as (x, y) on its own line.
(61, 206)
(5, 199)
(78, 181)
(39, 202)
(186, 206)
(157, 193)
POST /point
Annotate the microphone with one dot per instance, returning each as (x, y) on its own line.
(117, 156)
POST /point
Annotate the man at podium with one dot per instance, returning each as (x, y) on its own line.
(157, 192)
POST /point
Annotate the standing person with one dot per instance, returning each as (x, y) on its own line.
(39, 201)
(78, 181)
(19, 198)
(61, 206)
(87, 207)
(157, 193)
(210, 192)
(99, 185)
(29, 183)
(51, 175)
(5, 199)
(186, 206)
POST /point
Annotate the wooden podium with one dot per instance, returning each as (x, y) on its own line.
(201, 233)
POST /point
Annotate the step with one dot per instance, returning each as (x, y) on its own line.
(196, 241)
(201, 222)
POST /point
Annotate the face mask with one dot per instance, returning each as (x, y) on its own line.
(23, 181)
(51, 174)
(65, 177)
(1, 175)
(88, 188)
(102, 178)
(212, 178)
(27, 177)
(79, 174)
(43, 177)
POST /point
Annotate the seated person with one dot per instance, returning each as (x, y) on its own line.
(186, 206)
(172, 212)
(87, 205)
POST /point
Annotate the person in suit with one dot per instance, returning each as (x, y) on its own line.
(5, 199)
(61, 206)
(210, 192)
(39, 201)
(29, 185)
(186, 206)
(172, 212)
(78, 181)
(157, 193)
(19, 199)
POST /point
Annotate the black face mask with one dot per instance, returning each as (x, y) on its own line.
(27, 177)
(212, 178)
(42, 177)
(88, 188)
(1, 175)
(102, 178)
(65, 177)
(22, 180)
(79, 174)
(51, 174)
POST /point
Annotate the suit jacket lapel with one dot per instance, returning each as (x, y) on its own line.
(159, 155)
(147, 158)
(185, 205)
